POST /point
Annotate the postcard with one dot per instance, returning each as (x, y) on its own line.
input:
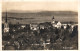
(39, 25)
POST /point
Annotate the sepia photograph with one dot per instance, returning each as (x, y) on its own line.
(40, 25)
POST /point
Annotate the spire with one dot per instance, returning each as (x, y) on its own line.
(6, 17)
(53, 21)
(53, 18)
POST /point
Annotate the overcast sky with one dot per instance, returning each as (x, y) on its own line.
(56, 5)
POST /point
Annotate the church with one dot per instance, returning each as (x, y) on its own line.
(56, 24)
(6, 25)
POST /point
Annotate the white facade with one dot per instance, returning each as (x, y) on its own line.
(23, 26)
(34, 27)
(41, 27)
(53, 22)
(6, 27)
(59, 24)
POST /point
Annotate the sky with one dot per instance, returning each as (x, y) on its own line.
(55, 5)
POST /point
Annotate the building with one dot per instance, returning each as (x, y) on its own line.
(41, 26)
(59, 24)
(56, 24)
(6, 25)
(53, 20)
(23, 26)
(34, 26)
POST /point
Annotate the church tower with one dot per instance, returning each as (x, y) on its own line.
(53, 20)
(6, 25)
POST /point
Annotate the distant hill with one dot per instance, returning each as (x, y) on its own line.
(39, 13)
(25, 17)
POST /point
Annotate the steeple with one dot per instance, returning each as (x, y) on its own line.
(6, 17)
(53, 21)
(53, 18)
(6, 25)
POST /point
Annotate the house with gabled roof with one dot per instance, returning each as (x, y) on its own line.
(34, 26)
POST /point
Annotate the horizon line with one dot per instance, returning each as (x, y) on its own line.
(36, 10)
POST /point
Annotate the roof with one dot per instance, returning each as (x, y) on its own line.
(34, 23)
(45, 24)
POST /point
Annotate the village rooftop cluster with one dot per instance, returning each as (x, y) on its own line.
(39, 36)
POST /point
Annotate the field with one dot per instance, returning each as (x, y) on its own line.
(26, 17)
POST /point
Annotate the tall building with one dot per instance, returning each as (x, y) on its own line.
(53, 20)
(6, 25)
(56, 24)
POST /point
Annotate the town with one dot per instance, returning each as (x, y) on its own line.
(54, 35)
